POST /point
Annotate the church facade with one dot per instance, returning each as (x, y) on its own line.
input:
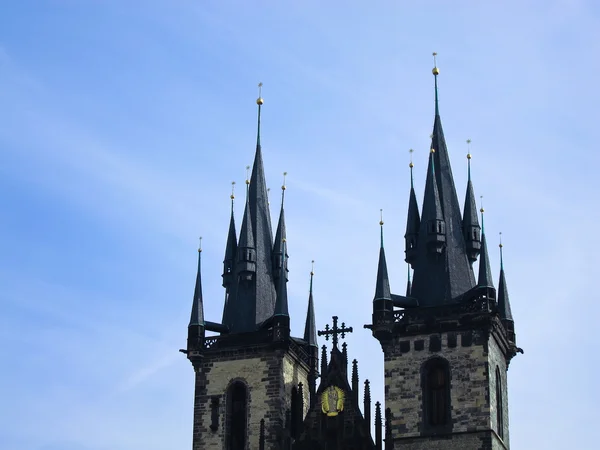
(447, 342)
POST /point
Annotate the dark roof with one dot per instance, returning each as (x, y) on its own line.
(310, 328)
(281, 303)
(251, 303)
(382, 286)
(503, 301)
(470, 210)
(485, 272)
(413, 220)
(231, 246)
(197, 316)
(440, 279)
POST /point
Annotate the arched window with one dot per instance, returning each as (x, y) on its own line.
(237, 416)
(499, 406)
(436, 393)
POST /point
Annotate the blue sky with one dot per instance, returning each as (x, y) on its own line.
(123, 123)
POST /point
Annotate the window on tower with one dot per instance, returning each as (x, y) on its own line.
(436, 393)
(237, 415)
(499, 406)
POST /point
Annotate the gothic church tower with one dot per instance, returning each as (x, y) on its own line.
(448, 342)
(252, 378)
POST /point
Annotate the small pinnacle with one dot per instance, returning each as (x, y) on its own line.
(411, 165)
(381, 217)
(200, 245)
(283, 185)
(232, 196)
(435, 69)
(312, 270)
(247, 174)
(481, 210)
(500, 245)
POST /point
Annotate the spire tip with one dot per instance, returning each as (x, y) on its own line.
(260, 100)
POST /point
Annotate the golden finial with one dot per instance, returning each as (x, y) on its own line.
(283, 185)
(411, 165)
(200, 245)
(435, 70)
(381, 217)
(481, 198)
(232, 196)
(500, 245)
(312, 269)
(432, 150)
(247, 174)
(284, 240)
(259, 100)
(469, 148)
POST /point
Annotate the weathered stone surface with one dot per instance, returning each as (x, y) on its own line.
(270, 374)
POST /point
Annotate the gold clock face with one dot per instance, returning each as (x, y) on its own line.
(332, 401)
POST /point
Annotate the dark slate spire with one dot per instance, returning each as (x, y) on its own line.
(281, 304)
(503, 301)
(413, 222)
(433, 219)
(470, 223)
(367, 404)
(323, 360)
(264, 294)
(382, 287)
(310, 327)
(355, 381)
(442, 277)
(485, 272)
(278, 254)
(230, 248)
(378, 424)
(253, 293)
(196, 325)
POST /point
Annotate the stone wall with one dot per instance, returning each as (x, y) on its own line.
(496, 359)
(470, 356)
(269, 375)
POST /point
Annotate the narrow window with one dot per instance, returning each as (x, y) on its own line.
(436, 393)
(499, 406)
(237, 416)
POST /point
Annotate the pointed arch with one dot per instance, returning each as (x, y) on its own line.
(237, 415)
(435, 384)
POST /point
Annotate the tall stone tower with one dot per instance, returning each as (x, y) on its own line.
(252, 379)
(448, 342)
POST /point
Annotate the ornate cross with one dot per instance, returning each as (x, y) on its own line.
(334, 331)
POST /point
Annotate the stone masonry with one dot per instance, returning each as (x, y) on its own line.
(472, 356)
(269, 374)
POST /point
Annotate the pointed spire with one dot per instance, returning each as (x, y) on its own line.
(485, 272)
(230, 247)
(367, 404)
(442, 273)
(281, 304)
(436, 72)
(503, 301)
(413, 220)
(470, 223)
(196, 326)
(323, 360)
(259, 102)
(382, 287)
(355, 381)
(378, 425)
(197, 316)
(433, 217)
(345, 355)
(310, 327)
(279, 256)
